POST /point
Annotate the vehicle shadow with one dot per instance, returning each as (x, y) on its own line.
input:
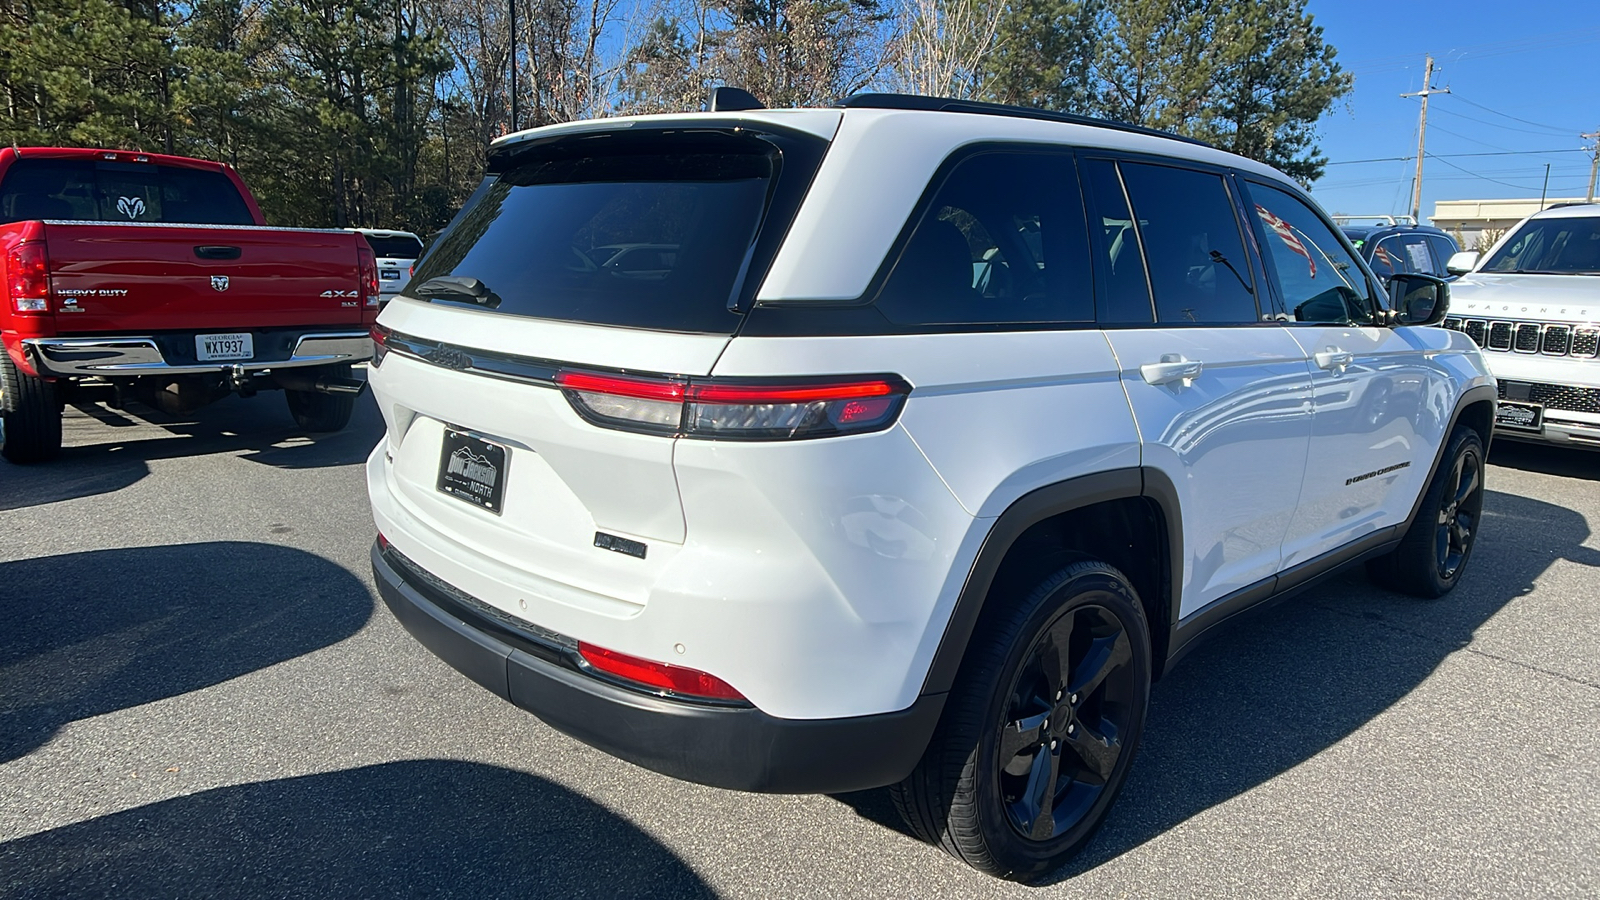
(94, 632)
(1548, 459)
(109, 449)
(416, 828)
(1282, 686)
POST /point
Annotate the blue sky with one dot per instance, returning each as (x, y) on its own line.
(1535, 60)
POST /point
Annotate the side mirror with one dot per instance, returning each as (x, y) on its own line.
(1417, 299)
(1461, 263)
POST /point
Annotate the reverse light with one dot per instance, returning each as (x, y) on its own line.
(380, 344)
(676, 680)
(28, 278)
(367, 266)
(737, 409)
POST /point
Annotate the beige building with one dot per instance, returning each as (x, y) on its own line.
(1466, 220)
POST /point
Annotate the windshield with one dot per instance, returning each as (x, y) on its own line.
(646, 236)
(87, 190)
(1560, 246)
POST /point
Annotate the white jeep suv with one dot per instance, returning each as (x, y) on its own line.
(930, 435)
(1534, 302)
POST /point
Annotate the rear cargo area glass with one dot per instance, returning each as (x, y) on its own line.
(653, 236)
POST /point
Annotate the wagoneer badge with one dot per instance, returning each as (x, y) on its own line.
(219, 282)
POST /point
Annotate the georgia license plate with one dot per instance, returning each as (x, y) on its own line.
(473, 469)
(1519, 416)
(224, 346)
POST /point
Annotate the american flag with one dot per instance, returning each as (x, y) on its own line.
(1285, 232)
(1381, 255)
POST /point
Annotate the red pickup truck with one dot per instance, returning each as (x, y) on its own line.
(136, 275)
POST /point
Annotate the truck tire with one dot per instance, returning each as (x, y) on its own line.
(315, 411)
(1038, 734)
(1430, 559)
(30, 417)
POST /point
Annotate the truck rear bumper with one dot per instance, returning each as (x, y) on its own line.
(130, 356)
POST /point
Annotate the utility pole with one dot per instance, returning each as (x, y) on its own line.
(1594, 167)
(1422, 133)
(515, 118)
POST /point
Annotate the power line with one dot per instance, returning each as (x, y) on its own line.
(1349, 162)
(1550, 133)
(1484, 177)
(1512, 118)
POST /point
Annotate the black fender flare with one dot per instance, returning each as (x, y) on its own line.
(1025, 512)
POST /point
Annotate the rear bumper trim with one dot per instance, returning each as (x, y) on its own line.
(741, 748)
(141, 355)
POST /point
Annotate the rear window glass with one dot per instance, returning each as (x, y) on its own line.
(398, 247)
(88, 190)
(640, 238)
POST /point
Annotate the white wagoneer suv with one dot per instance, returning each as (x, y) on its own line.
(923, 437)
(1534, 301)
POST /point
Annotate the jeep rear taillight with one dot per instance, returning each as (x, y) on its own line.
(737, 409)
(380, 346)
(368, 268)
(28, 278)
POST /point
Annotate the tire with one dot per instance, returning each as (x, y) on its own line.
(315, 412)
(30, 416)
(1434, 552)
(976, 792)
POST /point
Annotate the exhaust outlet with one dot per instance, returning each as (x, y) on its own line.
(322, 384)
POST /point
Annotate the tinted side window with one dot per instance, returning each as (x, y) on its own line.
(1199, 272)
(1124, 288)
(1318, 281)
(1402, 254)
(1003, 241)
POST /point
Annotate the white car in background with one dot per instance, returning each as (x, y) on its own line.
(397, 252)
(1534, 303)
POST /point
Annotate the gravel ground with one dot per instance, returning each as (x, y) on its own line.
(200, 696)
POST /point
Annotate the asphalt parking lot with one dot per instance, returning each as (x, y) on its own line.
(200, 696)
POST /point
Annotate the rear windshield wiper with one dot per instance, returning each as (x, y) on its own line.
(458, 289)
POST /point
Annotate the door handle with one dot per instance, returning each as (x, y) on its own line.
(1172, 367)
(1335, 361)
(218, 252)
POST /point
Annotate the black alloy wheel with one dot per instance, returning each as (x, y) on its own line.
(1062, 733)
(1459, 513)
(1040, 728)
(1433, 554)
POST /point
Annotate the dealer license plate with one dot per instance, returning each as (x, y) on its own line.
(209, 347)
(473, 469)
(1514, 415)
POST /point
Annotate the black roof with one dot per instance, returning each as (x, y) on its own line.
(946, 104)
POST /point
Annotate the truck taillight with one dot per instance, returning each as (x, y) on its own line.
(28, 278)
(737, 409)
(369, 274)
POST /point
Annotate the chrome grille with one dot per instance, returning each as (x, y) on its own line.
(1500, 336)
(1557, 338)
(1527, 338)
(1547, 338)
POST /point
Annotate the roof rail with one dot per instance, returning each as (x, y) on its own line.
(1387, 219)
(946, 104)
